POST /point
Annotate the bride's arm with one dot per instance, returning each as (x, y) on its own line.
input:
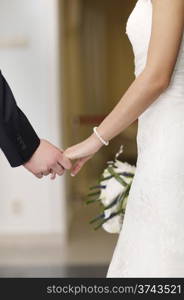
(167, 31)
(166, 36)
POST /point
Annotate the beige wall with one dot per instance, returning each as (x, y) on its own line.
(29, 61)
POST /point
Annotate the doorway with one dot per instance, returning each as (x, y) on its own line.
(98, 69)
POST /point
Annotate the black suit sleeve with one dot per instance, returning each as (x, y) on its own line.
(18, 140)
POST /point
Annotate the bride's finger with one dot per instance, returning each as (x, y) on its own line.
(78, 165)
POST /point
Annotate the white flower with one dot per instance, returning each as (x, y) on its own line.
(124, 167)
(114, 224)
(113, 187)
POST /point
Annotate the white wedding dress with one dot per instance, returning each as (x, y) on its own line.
(151, 242)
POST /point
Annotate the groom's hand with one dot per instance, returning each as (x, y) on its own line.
(47, 159)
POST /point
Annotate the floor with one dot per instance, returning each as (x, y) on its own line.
(87, 253)
(54, 271)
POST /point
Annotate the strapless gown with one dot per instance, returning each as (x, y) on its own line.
(151, 242)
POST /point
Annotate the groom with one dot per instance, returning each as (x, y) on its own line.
(20, 143)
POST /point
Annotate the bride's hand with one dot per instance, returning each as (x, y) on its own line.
(82, 152)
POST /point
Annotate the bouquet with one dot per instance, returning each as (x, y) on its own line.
(111, 193)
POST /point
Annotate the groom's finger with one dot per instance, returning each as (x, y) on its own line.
(45, 173)
(39, 175)
(53, 175)
(58, 169)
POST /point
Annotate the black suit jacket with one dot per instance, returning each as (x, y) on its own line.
(18, 140)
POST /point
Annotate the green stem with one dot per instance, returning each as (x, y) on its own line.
(97, 218)
(124, 196)
(107, 219)
(106, 178)
(126, 174)
(116, 176)
(97, 187)
(93, 194)
(92, 200)
(117, 199)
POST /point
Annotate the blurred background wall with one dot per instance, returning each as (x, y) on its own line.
(68, 63)
(29, 60)
(98, 68)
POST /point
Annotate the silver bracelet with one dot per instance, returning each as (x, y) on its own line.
(99, 137)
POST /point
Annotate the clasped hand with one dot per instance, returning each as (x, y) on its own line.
(48, 159)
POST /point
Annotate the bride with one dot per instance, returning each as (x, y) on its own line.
(151, 242)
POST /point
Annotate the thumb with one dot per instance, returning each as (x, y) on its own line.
(64, 161)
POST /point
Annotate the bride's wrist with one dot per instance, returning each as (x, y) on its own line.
(95, 141)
